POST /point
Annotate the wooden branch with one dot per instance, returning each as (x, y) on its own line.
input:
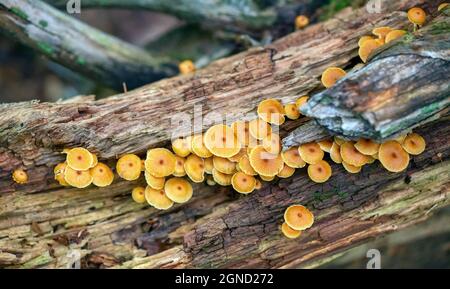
(80, 47)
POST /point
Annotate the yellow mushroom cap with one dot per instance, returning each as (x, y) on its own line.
(271, 111)
(102, 175)
(265, 163)
(20, 176)
(311, 153)
(292, 158)
(350, 168)
(154, 182)
(258, 184)
(442, 6)
(94, 160)
(352, 156)
(371, 159)
(243, 183)
(77, 179)
(272, 143)
(414, 144)
(79, 159)
(178, 190)
(210, 181)
(195, 168)
(199, 148)
(238, 156)
(301, 101)
(221, 141)
(339, 141)
(382, 32)
(364, 39)
(286, 172)
(319, 172)
(186, 67)
(367, 48)
(129, 166)
(259, 129)
(157, 199)
(179, 167)
(160, 162)
(241, 131)
(417, 15)
(181, 147)
(331, 75)
(224, 165)
(267, 178)
(394, 34)
(301, 21)
(292, 111)
(298, 217)
(59, 173)
(209, 165)
(366, 146)
(138, 194)
(335, 153)
(290, 233)
(325, 145)
(221, 178)
(245, 166)
(393, 157)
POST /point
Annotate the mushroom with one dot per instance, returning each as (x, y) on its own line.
(258, 184)
(178, 190)
(221, 141)
(267, 178)
(265, 163)
(195, 168)
(94, 161)
(210, 181)
(157, 199)
(325, 145)
(241, 131)
(286, 172)
(245, 166)
(79, 159)
(351, 155)
(442, 6)
(301, 21)
(259, 129)
(414, 144)
(364, 39)
(335, 153)
(417, 16)
(199, 148)
(393, 157)
(319, 172)
(292, 111)
(179, 167)
(366, 146)
(400, 139)
(59, 173)
(331, 75)
(367, 48)
(288, 232)
(272, 143)
(311, 153)
(271, 111)
(154, 182)
(243, 183)
(224, 165)
(298, 217)
(209, 165)
(339, 140)
(77, 179)
(382, 32)
(292, 158)
(160, 162)
(128, 167)
(301, 101)
(394, 34)
(186, 67)
(181, 147)
(238, 156)
(138, 195)
(350, 168)
(20, 176)
(102, 175)
(221, 178)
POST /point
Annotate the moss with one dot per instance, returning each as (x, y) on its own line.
(43, 23)
(439, 28)
(19, 12)
(81, 60)
(335, 6)
(45, 48)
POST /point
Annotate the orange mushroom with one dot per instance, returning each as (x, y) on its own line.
(259, 129)
(364, 39)
(195, 168)
(199, 148)
(311, 153)
(265, 163)
(298, 217)
(94, 161)
(271, 111)
(178, 190)
(243, 183)
(241, 131)
(77, 179)
(292, 158)
(209, 165)
(301, 101)
(367, 48)
(179, 167)
(79, 159)
(442, 6)
(267, 178)
(351, 155)
(258, 184)
(319, 172)
(350, 168)
(290, 233)
(221, 141)
(186, 67)
(224, 165)
(325, 145)
(286, 172)
(366, 146)
(301, 21)
(417, 16)
(245, 166)
(138, 195)
(181, 147)
(221, 178)
(382, 32)
(272, 143)
(102, 175)
(154, 182)
(20, 176)
(335, 153)
(160, 162)
(339, 140)
(128, 167)
(157, 199)
(292, 111)
(59, 173)
(393, 157)
(394, 34)
(331, 75)
(414, 144)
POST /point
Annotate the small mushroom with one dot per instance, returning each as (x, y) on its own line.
(417, 16)
(393, 157)
(224, 165)
(179, 167)
(382, 32)
(154, 182)
(259, 129)
(350, 168)
(77, 179)
(102, 175)
(292, 158)
(178, 190)
(301, 101)
(59, 173)
(331, 75)
(367, 48)
(319, 172)
(265, 163)
(311, 153)
(272, 143)
(245, 166)
(442, 6)
(199, 148)
(243, 183)
(335, 153)
(221, 178)
(271, 111)
(286, 172)
(301, 21)
(414, 144)
(79, 159)
(366, 146)
(186, 67)
(157, 199)
(258, 184)
(241, 131)
(325, 145)
(181, 147)
(351, 155)
(221, 141)
(364, 39)
(209, 165)
(128, 167)
(160, 162)
(290, 233)
(195, 168)
(138, 195)
(20, 176)
(298, 217)
(394, 34)
(292, 111)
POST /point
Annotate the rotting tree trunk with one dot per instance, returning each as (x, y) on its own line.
(78, 46)
(40, 223)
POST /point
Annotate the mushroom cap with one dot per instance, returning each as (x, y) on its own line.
(221, 141)
(258, 184)
(292, 111)
(339, 140)
(301, 21)
(394, 34)
(178, 190)
(259, 129)
(331, 75)
(209, 165)
(272, 143)
(367, 147)
(59, 173)
(160, 162)
(199, 148)
(20, 176)
(195, 168)
(210, 181)
(298, 217)
(128, 167)
(400, 139)
(350, 168)
(414, 144)
(364, 39)
(335, 153)
(271, 111)
(238, 156)
(243, 183)
(301, 101)
(267, 178)
(311, 152)
(79, 159)
(181, 147)
(265, 163)
(179, 167)
(371, 160)
(292, 158)
(77, 179)
(138, 195)
(241, 131)
(102, 175)
(288, 232)
(245, 166)
(417, 15)
(221, 178)
(319, 172)
(442, 6)
(94, 161)
(351, 155)
(286, 172)
(224, 165)
(382, 32)
(186, 67)
(367, 48)
(154, 182)
(393, 157)
(325, 145)
(157, 199)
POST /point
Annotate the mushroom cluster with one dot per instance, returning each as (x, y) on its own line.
(297, 218)
(381, 35)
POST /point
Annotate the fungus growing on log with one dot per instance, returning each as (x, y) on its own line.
(59, 173)
(20, 176)
(335, 153)
(393, 157)
(272, 143)
(301, 21)
(298, 217)
(394, 34)
(154, 182)
(209, 165)
(157, 199)
(367, 47)
(288, 232)
(245, 166)
(181, 147)
(128, 167)
(221, 141)
(79, 159)
(292, 158)
(160, 162)
(241, 130)
(417, 16)
(382, 32)
(195, 168)
(414, 144)
(319, 172)
(186, 67)
(138, 194)
(311, 153)
(286, 172)
(77, 179)
(325, 145)
(292, 111)
(351, 155)
(351, 168)
(199, 148)
(265, 163)
(367, 147)
(331, 75)
(243, 183)
(178, 190)
(221, 178)
(179, 167)
(102, 175)
(224, 165)
(271, 111)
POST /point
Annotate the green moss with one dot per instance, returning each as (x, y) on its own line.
(81, 60)
(45, 48)
(43, 23)
(335, 6)
(19, 12)
(439, 28)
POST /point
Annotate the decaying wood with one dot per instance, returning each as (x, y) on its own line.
(43, 224)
